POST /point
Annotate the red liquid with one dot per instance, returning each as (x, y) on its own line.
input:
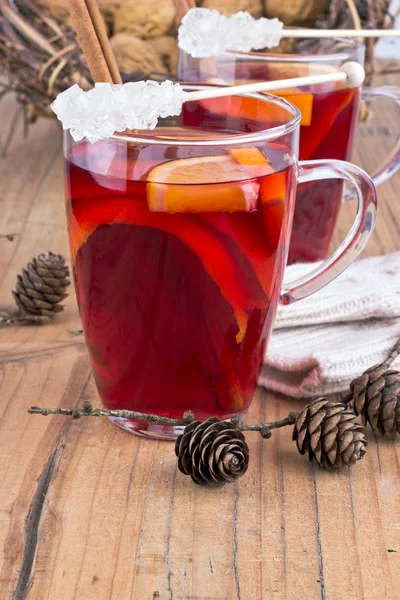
(176, 308)
(329, 134)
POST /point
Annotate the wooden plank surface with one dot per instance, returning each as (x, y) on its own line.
(91, 512)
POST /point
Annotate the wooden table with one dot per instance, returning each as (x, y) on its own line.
(90, 512)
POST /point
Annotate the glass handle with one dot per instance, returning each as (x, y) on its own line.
(358, 236)
(392, 162)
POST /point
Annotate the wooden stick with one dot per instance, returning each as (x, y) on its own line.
(351, 73)
(338, 33)
(93, 40)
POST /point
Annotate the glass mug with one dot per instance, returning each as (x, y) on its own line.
(329, 118)
(179, 239)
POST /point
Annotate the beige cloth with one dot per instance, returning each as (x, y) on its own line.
(321, 343)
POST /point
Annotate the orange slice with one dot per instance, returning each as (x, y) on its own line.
(201, 184)
(252, 159)
(271, 188)
(303, 101)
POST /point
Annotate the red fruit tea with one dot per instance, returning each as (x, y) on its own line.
(177, 283)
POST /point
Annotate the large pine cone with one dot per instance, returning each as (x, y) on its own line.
(376, 396)
(42, 285)
(327, 432)
(212, 453)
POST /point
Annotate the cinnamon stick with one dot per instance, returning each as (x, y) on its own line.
(93, 40)
(101, 31)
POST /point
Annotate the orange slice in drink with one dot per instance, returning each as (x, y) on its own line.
(303, 101)
(271, 188)
(201, 184)
(252, 159)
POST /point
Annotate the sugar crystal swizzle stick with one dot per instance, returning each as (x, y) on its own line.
(108, 108)
(205, 33)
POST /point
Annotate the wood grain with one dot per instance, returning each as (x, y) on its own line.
(90, 512)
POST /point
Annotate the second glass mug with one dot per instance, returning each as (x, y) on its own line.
(179, 239)
(329, 118)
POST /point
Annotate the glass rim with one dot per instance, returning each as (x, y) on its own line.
(352, 48)
(271, 133)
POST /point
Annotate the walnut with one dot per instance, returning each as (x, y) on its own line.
(230, 7)
(297, 12)
(133, 54)
(167, 48)
(146, 18)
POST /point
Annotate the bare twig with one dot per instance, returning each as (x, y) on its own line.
(265, 428)
(89, 411)
(188, 417)
(13, 318)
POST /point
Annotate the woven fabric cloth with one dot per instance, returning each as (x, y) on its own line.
(321, 343)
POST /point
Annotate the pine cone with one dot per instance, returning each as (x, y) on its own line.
(376, 396)
(212, 453)
(327, 431)
(42, 285)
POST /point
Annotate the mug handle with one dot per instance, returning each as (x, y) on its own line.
(392, 163)
(356, 239)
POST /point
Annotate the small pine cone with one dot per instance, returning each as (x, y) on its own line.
(327, 431)
(41, 286)
(212, 453)
(376, 396)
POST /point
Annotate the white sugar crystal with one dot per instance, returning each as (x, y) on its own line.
(267, 33)
(206, 32)
(107, 108)
(203, 32)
